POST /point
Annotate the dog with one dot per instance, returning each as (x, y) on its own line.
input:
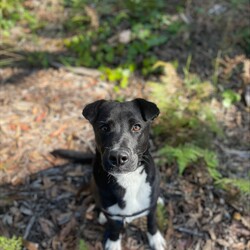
(125, 179)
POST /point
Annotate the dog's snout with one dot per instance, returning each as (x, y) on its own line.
(118, 157)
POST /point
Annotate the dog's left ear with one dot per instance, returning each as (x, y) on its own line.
(91, 110)
(148, 109)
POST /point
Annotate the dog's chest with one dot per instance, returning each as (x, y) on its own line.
(137, 195)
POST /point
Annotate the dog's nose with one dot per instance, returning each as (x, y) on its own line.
(118, 158)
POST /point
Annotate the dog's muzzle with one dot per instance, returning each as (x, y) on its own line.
(120, 160)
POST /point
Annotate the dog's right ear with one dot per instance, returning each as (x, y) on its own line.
(90, 111)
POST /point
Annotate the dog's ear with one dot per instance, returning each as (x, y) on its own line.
(90, 111)
(148, 109)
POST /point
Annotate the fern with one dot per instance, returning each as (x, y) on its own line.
(188, 121)
(186, 106)
(242, 184)
(187, 154)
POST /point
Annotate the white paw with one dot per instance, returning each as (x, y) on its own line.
(113, 245)
(102, 219)
(156, 241)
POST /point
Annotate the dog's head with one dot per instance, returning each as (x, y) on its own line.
(121, 131)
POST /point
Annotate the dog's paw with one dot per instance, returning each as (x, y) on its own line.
(102, 219)
(113, 245)
(156, 241)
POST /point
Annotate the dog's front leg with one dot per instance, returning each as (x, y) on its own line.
(156, 241)
(113, 241)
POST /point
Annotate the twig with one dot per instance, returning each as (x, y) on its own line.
(77, 70)
(28, 228)
(189, 231)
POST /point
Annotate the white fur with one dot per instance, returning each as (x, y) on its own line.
(102, 219)
(156, 241)
(137, 194)
(113, 245)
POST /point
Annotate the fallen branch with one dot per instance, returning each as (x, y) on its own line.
(189, 231)
(77, 70)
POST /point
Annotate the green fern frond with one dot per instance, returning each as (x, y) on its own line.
(242, 184)
(187, 154)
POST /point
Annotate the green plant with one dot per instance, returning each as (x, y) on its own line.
(12, 11)
(82, 245)
(242, 184)
(186, 107)
(230, 97)
(119, 75)
(188, 121)
(162, 217)
(38, 59)
(187, 154)
(10, 244)
(102, 46)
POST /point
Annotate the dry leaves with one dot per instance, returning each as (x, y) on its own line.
(41, 114)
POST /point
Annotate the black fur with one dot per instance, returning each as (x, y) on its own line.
(121, 149)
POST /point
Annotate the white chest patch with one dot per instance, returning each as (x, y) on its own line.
(137, 194)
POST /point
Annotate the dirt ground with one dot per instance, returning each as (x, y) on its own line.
(40, 112)
(47, 201)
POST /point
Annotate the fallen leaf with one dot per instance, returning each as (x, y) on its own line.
(238, 246)
(24, 127)
(46, 226)
(30, 245)
(237, 216)
(217, 218)
(208, 245)
(40, 117)
(246, 222)
(69, 226)
(58, 131)
(223, 242)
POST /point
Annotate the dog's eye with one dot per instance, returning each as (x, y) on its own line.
(136, 128)
(105, 128)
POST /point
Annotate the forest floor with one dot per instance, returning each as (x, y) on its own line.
(41, 197)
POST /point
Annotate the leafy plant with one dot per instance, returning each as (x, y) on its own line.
(119, 75)
(242, 184)
(186, 154)
(10, 244)
(103, 45)
(188, 121)
(162, 217)
(82, 245)
(229, 97)
(186, 107)
(12, 11)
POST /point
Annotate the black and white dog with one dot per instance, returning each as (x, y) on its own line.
(126, 181)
